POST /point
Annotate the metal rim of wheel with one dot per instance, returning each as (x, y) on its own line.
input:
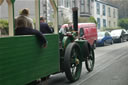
(72, 63)
(90, 60)
(121, 39)
(94, 45)
(104, 43)
(112, 42)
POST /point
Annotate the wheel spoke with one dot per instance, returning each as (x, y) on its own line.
(90, 61)
(73, 70)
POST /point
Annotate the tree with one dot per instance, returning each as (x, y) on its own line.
(92, 19)
(123, 23)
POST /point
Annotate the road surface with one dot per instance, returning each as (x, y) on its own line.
(111, 68)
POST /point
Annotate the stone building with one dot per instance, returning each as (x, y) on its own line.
(105, 14)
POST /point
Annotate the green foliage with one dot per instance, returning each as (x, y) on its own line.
(123, 23)
(4, 26)
(3, 23)
(50, 24)
(92, 19)
(109, 29)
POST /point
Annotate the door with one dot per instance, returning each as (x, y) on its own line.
(108, 38)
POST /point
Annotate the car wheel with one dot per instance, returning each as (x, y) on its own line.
(104, 43)
(112, 42)
(121, 40)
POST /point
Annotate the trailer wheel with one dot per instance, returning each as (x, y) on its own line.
(90, 60)
(72, 63)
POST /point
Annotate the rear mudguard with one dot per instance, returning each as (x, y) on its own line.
(84, 48)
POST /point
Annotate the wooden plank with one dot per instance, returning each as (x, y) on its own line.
(23, 60)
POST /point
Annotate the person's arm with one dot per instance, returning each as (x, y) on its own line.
(30, 31)
(40, 37)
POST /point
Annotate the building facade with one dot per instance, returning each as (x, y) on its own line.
(65, 8)
(121, 4)
(105, 14)
(0, 11)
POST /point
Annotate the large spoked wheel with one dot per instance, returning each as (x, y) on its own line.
(72, 63)
(90, 60)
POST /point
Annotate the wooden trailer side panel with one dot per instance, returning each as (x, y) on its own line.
(22, 60)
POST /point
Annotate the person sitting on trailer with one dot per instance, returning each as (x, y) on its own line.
(22, 29)
(44, 28)
(24, 14)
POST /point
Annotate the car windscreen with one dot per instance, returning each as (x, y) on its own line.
(101, 34)
(116, 33)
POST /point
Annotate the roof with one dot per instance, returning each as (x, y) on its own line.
(106, 3)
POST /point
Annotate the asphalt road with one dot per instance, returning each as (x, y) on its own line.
(111, 68)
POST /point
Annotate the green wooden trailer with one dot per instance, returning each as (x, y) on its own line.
(22, 60)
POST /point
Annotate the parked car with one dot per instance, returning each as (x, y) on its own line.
(87, 31)
(119, 35)
(104, 38)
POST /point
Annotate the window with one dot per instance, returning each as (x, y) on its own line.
(81, 32)
(82, 6)
(98, 23)
(104, 22)
(73, 3)
(109, 12)
(69, 3)
(60, 2)
(109, 23)
(66, 3)
(114, 13)
(104, 10)
(87, 6)
(107, 34)
(98, 8)
(114, 24)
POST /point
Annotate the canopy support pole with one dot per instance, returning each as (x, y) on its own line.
(11, 16)
(55, 8)
(37, 14)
